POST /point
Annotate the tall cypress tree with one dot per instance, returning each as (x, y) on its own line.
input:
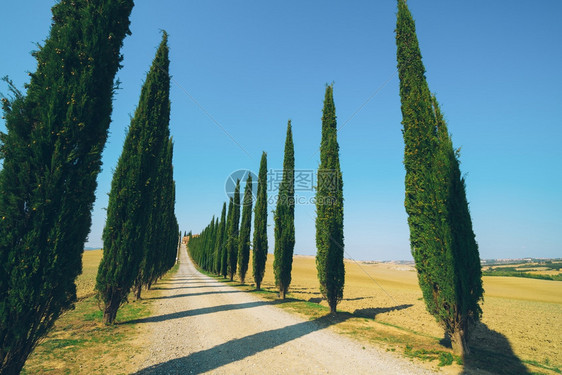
(51, 158)
(224, 256)
(260, 225)
(167, 251)
(155, 162)
(132, 190)
(441, 235)
(221, 235)
(329, 209)
(245, 231)
(285, 220)
(233, 233)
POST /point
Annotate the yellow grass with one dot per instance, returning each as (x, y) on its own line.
(86, 282)
(522, 315)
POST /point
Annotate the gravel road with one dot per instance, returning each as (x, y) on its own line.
(202, 326)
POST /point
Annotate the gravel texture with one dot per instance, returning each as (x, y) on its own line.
(202, 326)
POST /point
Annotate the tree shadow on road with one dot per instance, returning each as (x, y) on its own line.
(196, 294)
(238, 349)
(492, 352)
(201, 311)
(182, 287)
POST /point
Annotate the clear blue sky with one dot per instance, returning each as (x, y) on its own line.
(252, 65)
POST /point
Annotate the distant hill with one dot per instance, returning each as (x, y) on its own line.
(92, 248)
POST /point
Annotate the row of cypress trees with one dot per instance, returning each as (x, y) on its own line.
(442, 239)
(141, 232)
(51, 156)
(223, 247)
(215, 252)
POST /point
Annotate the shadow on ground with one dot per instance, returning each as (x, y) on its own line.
(181, 287)
(201, 311)
(492, 352)
(196, 294)
(238, 349)
(372, 312)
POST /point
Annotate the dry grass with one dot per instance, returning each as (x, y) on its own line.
(383, 303)
(81, 344)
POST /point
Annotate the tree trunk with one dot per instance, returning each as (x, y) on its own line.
(258, 286)
(138, 290)
(459, 344)
(282, 293)
(13, 361)
(333, 308)
(110, 311)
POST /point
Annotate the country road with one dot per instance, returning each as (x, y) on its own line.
(202, 326)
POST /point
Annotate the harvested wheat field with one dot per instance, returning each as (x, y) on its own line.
(521, 322)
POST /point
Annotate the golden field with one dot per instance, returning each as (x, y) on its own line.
(522, 318)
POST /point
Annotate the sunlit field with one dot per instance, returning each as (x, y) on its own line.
(521, 317)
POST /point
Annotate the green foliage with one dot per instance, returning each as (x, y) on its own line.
(51, 157)
(245, 229)
(224, 260)
(221, 242)
(329, 209)
(159, 246)
(260, 224)
(284, 218)
(441, 235)
(233, 233)
(140, 218)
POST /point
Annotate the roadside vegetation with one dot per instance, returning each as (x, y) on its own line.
(80, 343)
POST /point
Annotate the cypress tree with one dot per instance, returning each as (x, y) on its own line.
(245, 231)
(167, 249)
(155, 162)
(441, 235)
(285, 220)
(51, 158)
(132, 190)
(221, 235)
(329, 209)
(224, 260)
(233, 233)
(260, 225)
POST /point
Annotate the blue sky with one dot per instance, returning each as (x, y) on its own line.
(245, 68)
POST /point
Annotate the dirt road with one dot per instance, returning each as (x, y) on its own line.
(203, 326)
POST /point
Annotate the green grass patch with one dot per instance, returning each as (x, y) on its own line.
(444, 358)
